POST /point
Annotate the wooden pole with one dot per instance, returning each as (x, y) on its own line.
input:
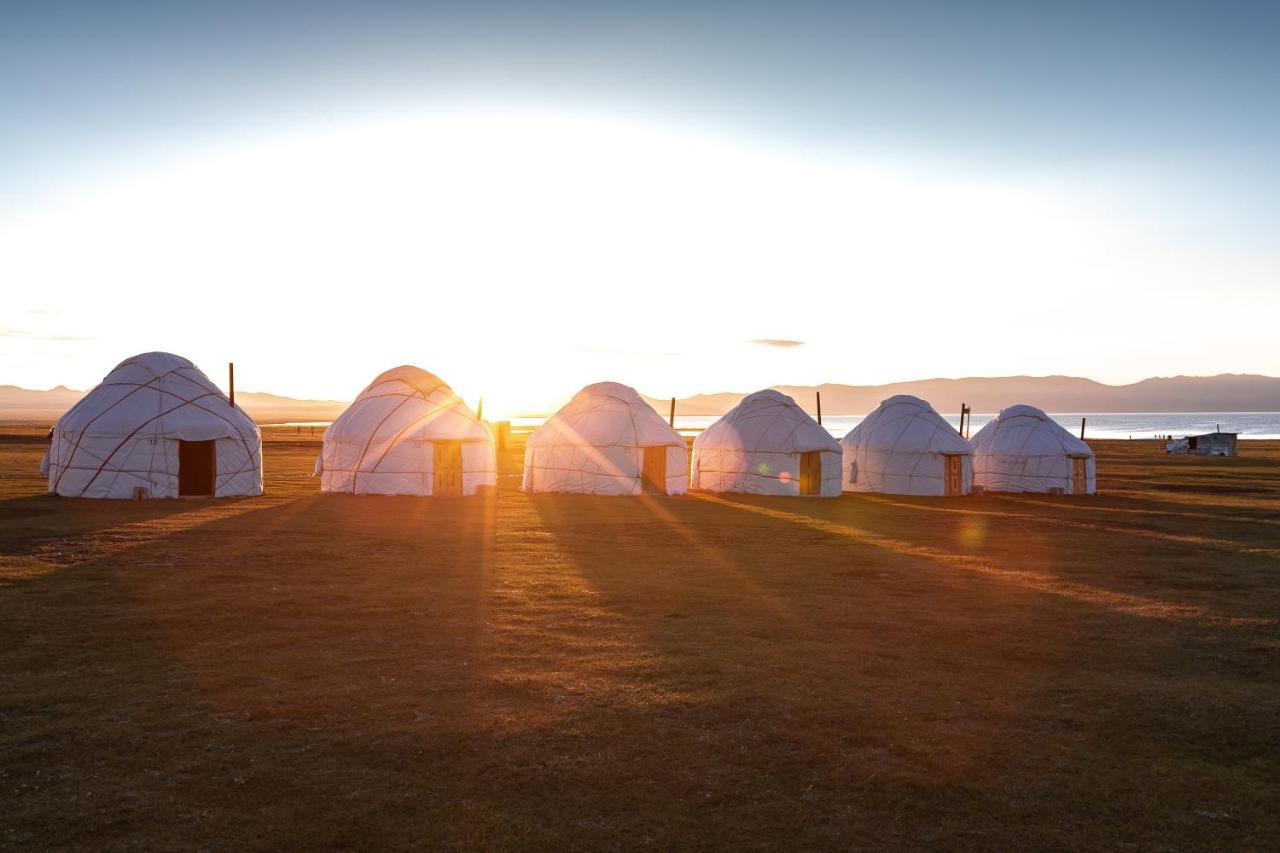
(672, 420)
(231, 372)
(961, 430)
(818, 394)
(480, 410)
(1082, 420)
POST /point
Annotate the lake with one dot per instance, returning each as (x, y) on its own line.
(1255, 425)
(1137, 425)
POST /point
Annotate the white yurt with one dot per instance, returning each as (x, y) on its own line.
(1024, 450)
(767, 445)
(905, 447)
(606, 441)
(156, 427)
(407, 434)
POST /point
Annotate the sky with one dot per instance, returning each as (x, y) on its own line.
(685, 197)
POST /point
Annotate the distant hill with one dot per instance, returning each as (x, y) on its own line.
(1225, 393)
(268, 408)
(26, 405)
(1228, 392)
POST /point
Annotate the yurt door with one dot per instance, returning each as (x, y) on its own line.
(953, 476)
(448, 469)
(653, 477)
(1079, 475)
(197, 468)
(811, 473)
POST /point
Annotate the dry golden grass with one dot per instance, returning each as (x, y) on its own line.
(318, 672)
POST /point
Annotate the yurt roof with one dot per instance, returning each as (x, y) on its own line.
(904, 423)
(606, 414)
(415, 377)
(152, 363)
(1027, 431)
(771, 421)
(384, 407)
(157, 394)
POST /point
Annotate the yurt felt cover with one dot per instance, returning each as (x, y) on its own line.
(756, 449)
(384, 443)
(595, 445)
(124, 435)
(1025, 450)
(900, 448)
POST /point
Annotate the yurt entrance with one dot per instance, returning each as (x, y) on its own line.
(653, 476)
(811, 473)
(953, 478)
(447, 467)
(197, 468)
(1079, 475)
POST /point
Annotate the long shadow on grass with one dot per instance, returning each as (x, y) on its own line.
(819, 692)
(27, 521)
(337, 671)
(1154, 578)
(300, 676)
(362, 672)
(852, 681)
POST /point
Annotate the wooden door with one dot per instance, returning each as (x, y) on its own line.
(653, 476)
(953, 476)
(197, 468)
(1079, 476)
(811, 473)
(447, 469)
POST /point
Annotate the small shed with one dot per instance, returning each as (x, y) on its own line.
(1209, 444)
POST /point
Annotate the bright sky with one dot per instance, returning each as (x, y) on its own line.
(524, 204)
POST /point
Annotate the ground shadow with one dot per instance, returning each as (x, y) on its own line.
(885, 672)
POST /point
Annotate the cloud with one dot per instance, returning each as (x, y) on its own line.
(777, 342)
(35, 336)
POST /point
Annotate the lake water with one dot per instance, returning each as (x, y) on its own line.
(1138, 425)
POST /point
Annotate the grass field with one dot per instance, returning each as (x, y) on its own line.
(318, 672)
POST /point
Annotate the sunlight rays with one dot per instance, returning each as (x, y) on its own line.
(1181, 538)
(1131, 604)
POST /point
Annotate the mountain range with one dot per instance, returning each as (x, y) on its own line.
(1228, 392)
(26, 405)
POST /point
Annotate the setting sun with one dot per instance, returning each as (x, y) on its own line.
(523, 252)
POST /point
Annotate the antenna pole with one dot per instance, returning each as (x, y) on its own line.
(818, 394)
(231, 374)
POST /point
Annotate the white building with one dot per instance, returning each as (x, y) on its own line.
(905, 447)
(767, 445)
(156, 427)
(606, 441)
(1024, 450)
(407, 434)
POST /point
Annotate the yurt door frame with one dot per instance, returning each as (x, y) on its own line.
(653, 473)
(811, 473)
(197, 468)
(446, 469)
(953, 474)
(1079, 475)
